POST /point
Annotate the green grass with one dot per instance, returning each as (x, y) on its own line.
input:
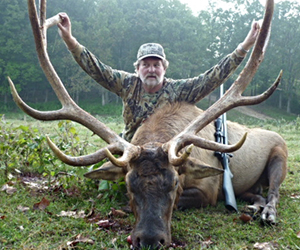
(43, 229)
(36, 229)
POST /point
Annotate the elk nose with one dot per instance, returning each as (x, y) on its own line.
(150, 241)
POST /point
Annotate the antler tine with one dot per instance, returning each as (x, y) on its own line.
(232, 98)
(43, 14)
(70, 110)
(96, 156)
(84, 160)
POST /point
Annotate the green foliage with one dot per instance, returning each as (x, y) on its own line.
(18, 58)
(114, 30)
(24, 149)
(109, 189)
(67, 190)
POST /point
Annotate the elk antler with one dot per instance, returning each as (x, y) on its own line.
(232, 98)
(70, 110)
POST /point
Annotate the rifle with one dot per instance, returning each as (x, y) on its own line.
(221, 137)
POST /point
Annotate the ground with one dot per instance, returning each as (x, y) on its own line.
(251, 112)
(247, 110)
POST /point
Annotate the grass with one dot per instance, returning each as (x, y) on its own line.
(212, 227)
(38, 229)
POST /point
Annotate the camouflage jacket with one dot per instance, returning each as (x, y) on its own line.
(137, 104)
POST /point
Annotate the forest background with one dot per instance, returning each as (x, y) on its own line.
(114, 29)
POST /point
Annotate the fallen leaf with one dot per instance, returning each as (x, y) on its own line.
(35, 183)
(41, 205)
(80, 239)
(105, 223)
(11, 183)
(4, 187)
(113, 241)
(18, 171)
(117, 213)
(23, 209)
(72, 191)
(73, 214)
(180, 244)
(266, 246)
(94, 218)
(8, 189)
(206, 243)
(298, 234)
(246, 218)
(263, 246)
(10, 176)
(91, 213)
(295, 196)
(2, 217)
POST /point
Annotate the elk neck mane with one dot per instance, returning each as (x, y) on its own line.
(165, 123)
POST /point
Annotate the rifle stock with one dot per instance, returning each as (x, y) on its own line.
(230, 201)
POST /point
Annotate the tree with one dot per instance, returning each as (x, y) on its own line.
(114, 30)
(285, 47)
(16, 48)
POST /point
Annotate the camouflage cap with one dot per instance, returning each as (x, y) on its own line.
(149, 50)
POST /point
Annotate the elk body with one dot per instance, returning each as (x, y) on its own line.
(260, 162)
(154, 185)
(161, 168)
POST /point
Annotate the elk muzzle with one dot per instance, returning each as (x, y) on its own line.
(152, 186)
(150, 239)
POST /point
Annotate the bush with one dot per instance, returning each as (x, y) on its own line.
(24, 149)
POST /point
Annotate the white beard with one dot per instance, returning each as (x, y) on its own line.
(151, 83)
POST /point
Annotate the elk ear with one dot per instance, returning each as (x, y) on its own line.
(107, 171)
(197, 169)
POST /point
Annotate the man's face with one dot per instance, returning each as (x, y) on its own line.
(152, 72)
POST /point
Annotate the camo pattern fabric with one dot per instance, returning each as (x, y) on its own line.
(138, 105)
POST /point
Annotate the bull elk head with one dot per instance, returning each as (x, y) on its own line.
(137, 160)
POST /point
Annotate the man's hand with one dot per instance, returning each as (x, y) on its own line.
(250, 39)
(252, 35)
(65, 31)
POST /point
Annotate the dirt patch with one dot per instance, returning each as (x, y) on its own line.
(250, 112)
(243, 109)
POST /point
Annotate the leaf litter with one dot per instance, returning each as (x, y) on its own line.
(8, 189)
(266, 245)
(113, 221)
(80, 239)
(42, 205)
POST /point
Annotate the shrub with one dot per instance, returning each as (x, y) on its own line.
(24, 149)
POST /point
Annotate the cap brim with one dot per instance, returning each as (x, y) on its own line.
(152, 55)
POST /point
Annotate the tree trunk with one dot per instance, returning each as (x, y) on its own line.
(289, 100)
(103, 98)
(291, 83)
(77, 96)
(288, 106)
(280, 100)
(46, 96)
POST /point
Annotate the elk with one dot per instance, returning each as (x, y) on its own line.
(170, 160)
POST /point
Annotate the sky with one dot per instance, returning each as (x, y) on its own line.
(197, 5)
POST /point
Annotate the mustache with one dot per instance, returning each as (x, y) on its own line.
(151, 75)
